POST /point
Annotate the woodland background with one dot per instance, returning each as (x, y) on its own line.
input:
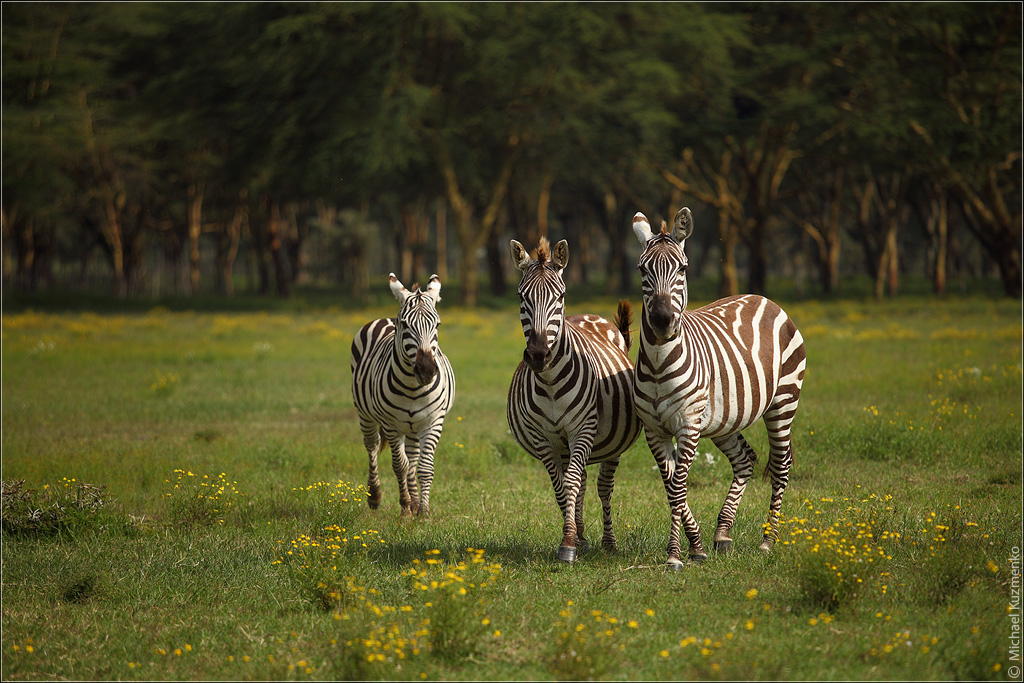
(155, 149)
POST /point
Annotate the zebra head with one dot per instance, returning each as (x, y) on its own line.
(416, 327)
(662, 267)
(541, 299)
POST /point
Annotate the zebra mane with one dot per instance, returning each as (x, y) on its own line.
(664, 228)
(543, 250)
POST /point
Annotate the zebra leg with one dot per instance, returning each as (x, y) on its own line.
(553, 464)
(400, 464)
(686, 449)
(663, 451)
(425, 468)
(778, 420)
(605, 484)
(574, 474)
(373, 442)
(412, 454)
(582, 544)
(674, 471)
(741, 457)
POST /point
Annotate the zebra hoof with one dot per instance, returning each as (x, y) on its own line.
(698, 559)
(608, 546)
(722, 547)
(767, 545)
(374, 500)
(582, 544)
(674, 564)
(567, 553)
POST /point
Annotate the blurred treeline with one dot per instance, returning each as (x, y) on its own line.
(186, 148)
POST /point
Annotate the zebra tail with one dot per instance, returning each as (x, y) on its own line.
(767, 470)
(623, 319)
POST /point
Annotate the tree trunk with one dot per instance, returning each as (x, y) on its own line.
(728, 238)
(757, 276)
(111, 225)
(292, 232)
(275, 246)
(543, 203)
(473, 234)
(495, 264)
(441, 268)
(1001, 244)
(227, 248)
(195, 227)
(260, 253)
(26, 247)
(933, 210)
(468, 273)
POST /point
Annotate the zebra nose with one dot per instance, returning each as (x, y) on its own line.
(425, 367)
(662, 317)
(536, 353)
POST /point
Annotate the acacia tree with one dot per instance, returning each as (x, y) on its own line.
(969, 62)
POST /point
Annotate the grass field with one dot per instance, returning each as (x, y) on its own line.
(192, 508)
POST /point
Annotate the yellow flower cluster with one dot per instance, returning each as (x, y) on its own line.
(325, 549)
(893, 418)
(708, 650)
(163, 652)
(588, 641)
(837, 559)
(901, 641)
(338, 492)
(434, 574)
(165, 383)
(201, 497)
(84, 325)
(392, 634)
(442, 602)
(28, 647)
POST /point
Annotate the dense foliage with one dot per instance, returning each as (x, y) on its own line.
(339, 140)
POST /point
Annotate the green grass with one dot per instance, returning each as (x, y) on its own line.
(909, 430)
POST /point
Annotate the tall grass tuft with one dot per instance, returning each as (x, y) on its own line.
(68, 506)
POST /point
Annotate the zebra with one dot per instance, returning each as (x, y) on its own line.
(711, 372)
(570, 403)
(403, 386)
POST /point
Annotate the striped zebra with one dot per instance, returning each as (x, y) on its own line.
(403, 386)
(570, 403)
(711, 372)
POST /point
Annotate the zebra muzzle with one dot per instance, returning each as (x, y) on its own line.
(425, 367)
(537, 355)
(663, 319)
(538, 359)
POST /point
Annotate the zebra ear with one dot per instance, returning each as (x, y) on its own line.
(397, 288)
(520, 258)
(561, 255)
(682, 226)
(642, 228)
(434, 287)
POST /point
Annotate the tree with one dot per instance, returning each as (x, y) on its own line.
(970, 63)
